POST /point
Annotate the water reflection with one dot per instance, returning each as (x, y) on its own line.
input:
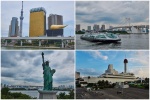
(128, 41)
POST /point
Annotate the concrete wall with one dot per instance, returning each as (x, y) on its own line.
(113, 80)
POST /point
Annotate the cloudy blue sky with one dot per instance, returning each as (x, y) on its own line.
(11, 9)
(111, 13)
(25, 67)
(94, 63)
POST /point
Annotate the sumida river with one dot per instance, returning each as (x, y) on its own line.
(128, 41)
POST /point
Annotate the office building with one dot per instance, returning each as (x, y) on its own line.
(89, 28)
(96, 27)
(37, 26)
(55, 19)
(103, 27)
(13, 28)
(78, 27)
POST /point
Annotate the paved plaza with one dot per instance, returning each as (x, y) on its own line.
(111, 93)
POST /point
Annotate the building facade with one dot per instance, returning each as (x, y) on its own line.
(78, 27)
(13, 28)
(96, 27)
(88, 28)
(103, 27)
(37, 26)
(55, 19)
(51, 33)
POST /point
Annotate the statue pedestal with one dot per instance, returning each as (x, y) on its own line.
(43, 94)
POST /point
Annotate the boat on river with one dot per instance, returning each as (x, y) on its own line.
(101, 37)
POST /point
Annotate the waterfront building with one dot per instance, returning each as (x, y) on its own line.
(96, 27)
(88, 28)
(37, 26)
(113, 76)
(78, 27)
(13, 28)
(103, 27)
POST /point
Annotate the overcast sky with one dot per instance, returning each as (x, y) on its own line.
(111, 13)
(11, 9)
(25, 67)
(94, 63)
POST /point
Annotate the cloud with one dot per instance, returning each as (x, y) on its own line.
(97, 55)
(140, 71)
(111, 12)
(88, 72)
(140, 57)
(19, 67)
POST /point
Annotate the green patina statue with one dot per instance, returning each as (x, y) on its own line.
(48, 75)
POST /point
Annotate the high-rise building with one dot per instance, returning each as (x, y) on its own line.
(13, 28)
(96, 27)
(103, 27)
(54, 19)
(89, 28)
(37, 22)
(78, 27)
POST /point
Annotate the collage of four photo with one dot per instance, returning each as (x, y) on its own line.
(75, 49)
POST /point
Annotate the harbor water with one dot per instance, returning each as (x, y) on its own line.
(128, 41)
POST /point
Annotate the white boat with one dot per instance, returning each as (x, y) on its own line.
(101, 37)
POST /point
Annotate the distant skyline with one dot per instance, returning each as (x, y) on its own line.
(11, 9)
(25, 67)
(94, 63)
(111, 13)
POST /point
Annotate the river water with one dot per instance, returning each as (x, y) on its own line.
(128, 41)
(34, 93)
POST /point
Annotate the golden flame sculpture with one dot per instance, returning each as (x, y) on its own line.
(56, 27)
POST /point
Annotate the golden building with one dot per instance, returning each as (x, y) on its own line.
(37, 22)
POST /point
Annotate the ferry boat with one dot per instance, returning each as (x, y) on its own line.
(101, 37)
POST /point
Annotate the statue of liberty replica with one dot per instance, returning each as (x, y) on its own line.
(47, 74)
(47, 92)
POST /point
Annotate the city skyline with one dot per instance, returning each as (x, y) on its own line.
(97, 62)
(64, 8)
(111, 13)
(25, 67)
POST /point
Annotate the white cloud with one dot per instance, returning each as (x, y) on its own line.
(111, 12)
(141, 71)
(97, 55)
